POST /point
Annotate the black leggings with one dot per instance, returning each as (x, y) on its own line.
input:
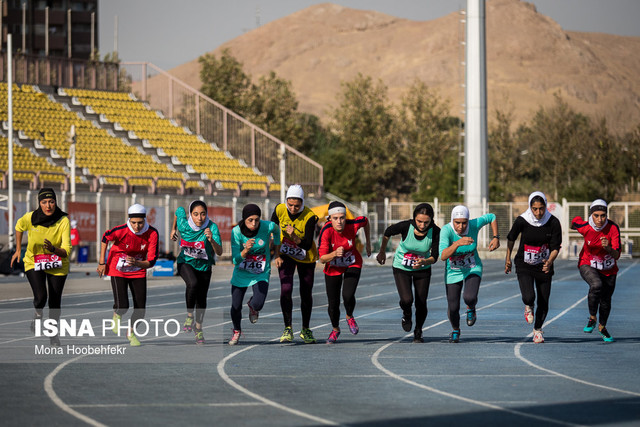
(334, 285)
(421, 281)
(305, 274)
(39, 281)
(601, 289)
(197, 289)
(470, 296)
(542, 288)
(138, 288)
(256, 302)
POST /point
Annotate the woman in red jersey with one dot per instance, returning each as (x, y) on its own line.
(134, 250)
(597, 263)
(343, 263)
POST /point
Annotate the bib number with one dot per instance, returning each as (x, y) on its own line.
(458, 262)
(254, 264)
(291, 249)
(409, 259)
(194, 249)
(345, 260)
(605, 263)
(535, 255)
(43, 262)
(124, 267)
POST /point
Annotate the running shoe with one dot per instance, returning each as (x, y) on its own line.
(199, 336)
(55, 341)
(528, 314)
(353, 326)
(253, 315)
(133, 340)
(235, 337)
(406, 324)
(116, 323)
(454, 336)
(591, 325)
(287, 335)
(537, 337)
(606, 336)
(333, 336)
(471, 317)
(307, 336)
(188, 324)
(417, 336)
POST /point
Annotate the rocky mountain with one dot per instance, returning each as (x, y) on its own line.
(529, 58)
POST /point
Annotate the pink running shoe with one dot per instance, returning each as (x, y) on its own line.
(333, 337)
(528, 314)
(353, 326)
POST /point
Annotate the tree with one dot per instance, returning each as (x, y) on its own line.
(224, 81)
(364, 124)
(430, 143)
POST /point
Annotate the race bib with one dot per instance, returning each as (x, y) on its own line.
(254, 263)
(345, 260)
(44, 262)
(123, 266)
(409, 259)
(458, 262)
(194, 249)
(535, 255)
(605, 263)
(291, 249)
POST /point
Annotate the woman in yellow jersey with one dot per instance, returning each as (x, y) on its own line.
(46, 261)
(297, 226)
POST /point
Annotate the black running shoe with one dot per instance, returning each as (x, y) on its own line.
(55, 341)
(406, 324)
(471, 317)
(454, 336)
(417, 336)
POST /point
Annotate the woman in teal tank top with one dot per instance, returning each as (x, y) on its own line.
(412, 261)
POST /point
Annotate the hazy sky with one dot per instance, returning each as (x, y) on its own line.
(170, 32)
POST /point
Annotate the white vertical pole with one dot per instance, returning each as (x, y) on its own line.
(46, 31)
(69, 33)
(72, 154)
(115, 37)
(24, 28)
(283, 172)
(98, 223)
(476, 161)
(167, 221)
(93, 34)
(10, 119)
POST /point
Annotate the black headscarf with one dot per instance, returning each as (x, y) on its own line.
(426, 209)
(39, 217)
(247, 211)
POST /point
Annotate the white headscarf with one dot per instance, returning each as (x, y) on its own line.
(460, 212)
(598, 202)
(192, 224)
(296, 192)
(138, 211)
(530, 217)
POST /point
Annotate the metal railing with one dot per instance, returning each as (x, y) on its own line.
(229, 131)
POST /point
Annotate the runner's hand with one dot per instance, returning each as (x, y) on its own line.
(208, 234)
(507, 266)
(249, 244)
(48, 246)
(339, 252)
(100, 270)
(16, 256)
(381, 258)
(174, 235)
(368, 248)
(464, 241)
(494, 244)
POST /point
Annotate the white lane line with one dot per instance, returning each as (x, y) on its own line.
(375, 360)
(517, 353)
(48, 388)
(260, 398)
(164, 405)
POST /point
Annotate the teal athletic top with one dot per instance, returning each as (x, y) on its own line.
(465, 260)
(256, 267)
(195, 249)
(411, 247)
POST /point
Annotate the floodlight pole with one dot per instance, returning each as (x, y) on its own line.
(10, 119)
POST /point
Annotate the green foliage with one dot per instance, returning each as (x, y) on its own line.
(224, 80)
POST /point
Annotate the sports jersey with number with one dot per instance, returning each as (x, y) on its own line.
(330, 240)
(143, 248)
(536, 243)
(592, 252)
(465, 260)
(303, 226)
(412, 247)
(195, 249)
(256, 266)
(38, 258)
